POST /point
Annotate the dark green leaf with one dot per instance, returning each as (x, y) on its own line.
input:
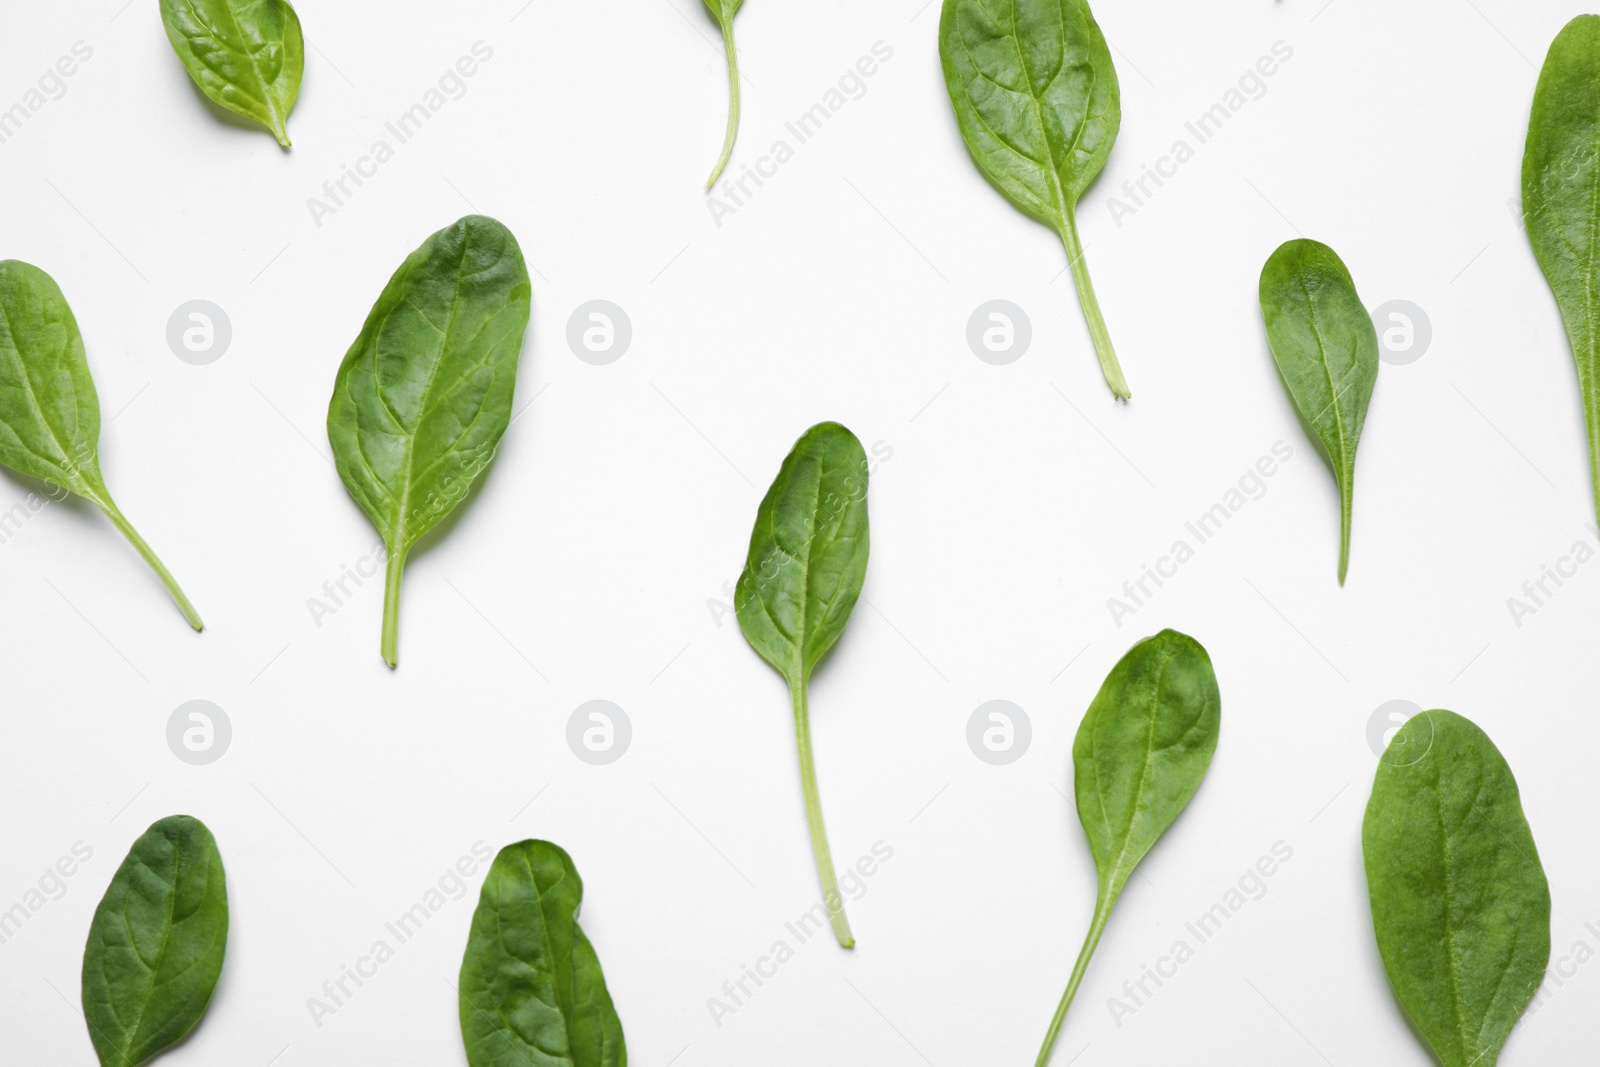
(1561, 201)
(49, 412)
(1459, 900)
(1140, 754)
(424, 395)
(723, 11)
(1327, 351)
(156, 944)
(246, 55)
(1036, 98)
(807, 560)
(532, 993)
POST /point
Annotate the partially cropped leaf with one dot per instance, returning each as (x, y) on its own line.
(424, 395)
(723, 11)
(807, 560)
(49, 412)
(1327, 351)
(156, 944)
(1036, 98)
(1141, 752)
(532, 993)
(1561, 201)
(246, 55)
(1459, 899)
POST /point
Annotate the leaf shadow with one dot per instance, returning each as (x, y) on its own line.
(232, 118)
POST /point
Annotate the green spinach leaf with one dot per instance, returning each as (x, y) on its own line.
(807, 560)
(1140, 754)
(1327, 352)
(49, 411)
(1561, 202)
(1459, 901)
(424, 395)
(723, 11)
(532, 993)
(156, 944)
(1036, 97)
(246, 55)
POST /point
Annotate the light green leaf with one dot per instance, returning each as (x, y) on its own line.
(1327, 351)
(532, 992)
(1459, 899)
(156, 944)
(246, 55)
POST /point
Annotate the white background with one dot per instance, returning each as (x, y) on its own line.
(1016, 501)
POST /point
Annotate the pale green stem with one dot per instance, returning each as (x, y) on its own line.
(1102, 912)
(1091, 309)
(819, 833)
(391, 608)
(120, 522)
(1346, 492)
(733, 102)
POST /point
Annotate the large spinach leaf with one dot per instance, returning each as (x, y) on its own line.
(424, 395)
(1459, 899)
(246, 55)
(1327, 351)
(1140, 754)
(1561, 202)
(532, 993)
(49, 411)
(156, 944)
(807, 560)
(723, 11)
(1036, 97)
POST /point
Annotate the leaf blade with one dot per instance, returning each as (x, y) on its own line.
(1460, 904)
(168, 904)
(245, 55)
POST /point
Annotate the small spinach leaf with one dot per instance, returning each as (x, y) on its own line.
(49, 411)
(1327, 351)
(531, 987)
(1036, 97)
(723, 11)
(1459, 900)
(807, 560)
(1140, 754)
(156, 944)
(246, 55)
(1561, 201)
(424, 395)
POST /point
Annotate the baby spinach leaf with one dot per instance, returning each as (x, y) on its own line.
(532, 994)
(1140, 754)
(246, 55)
(723, 11)
(156, 944)
(807, 560)
(424, 395)
(1561, 201)
(1036, 97)
(1459, 899)
(49, 411)
(1327, 351)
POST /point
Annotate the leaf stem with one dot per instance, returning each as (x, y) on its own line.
(1091, 308)
(1345, 503)
(733, 101)
(121, 522)
(1102, 912)
(391, 607)
(819, 832)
